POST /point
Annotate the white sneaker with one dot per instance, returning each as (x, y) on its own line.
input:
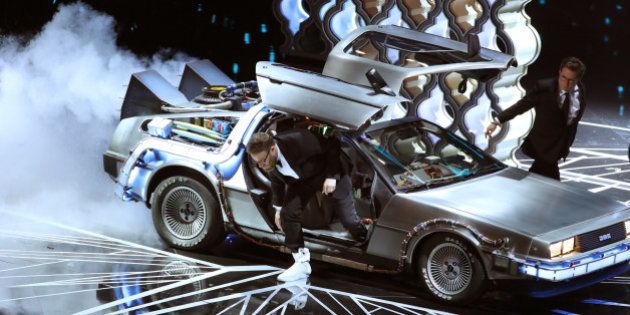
(301, 269)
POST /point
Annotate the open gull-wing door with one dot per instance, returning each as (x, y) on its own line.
(399, 53)
(345, 105)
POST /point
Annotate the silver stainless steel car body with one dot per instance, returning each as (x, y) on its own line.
(510, 217)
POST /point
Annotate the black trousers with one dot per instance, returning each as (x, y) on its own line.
(547, 169)
(340, 201)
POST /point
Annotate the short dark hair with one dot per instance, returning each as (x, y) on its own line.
(260, 142)
(574, 64)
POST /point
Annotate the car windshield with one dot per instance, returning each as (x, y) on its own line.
(417, 155)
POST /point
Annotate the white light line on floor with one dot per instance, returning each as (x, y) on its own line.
(102, 279)
(317, 300)
(604, 126)
(410, 311)
(83, 256)
(601, 154)
(217, 299)
(570, 161)
(63, 237)
(359, 304)
(101, 274)
(266, 301)
(231, 306)
(595, 166)
(595, 180)
(282, 306)
(213, 288)
(50, 252)
(62, 241)
(136, 246)
(31, 266)
(602, 174)
(334, 298)
(153, 291)
(97, 261)
(603, 188)
(61, 293)
(376, 300)
(381, 307)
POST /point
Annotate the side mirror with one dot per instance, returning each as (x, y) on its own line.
(378, 83)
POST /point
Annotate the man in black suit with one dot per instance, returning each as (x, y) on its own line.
(559, 104)
(299, 163)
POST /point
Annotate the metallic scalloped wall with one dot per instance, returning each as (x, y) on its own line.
(312, 27)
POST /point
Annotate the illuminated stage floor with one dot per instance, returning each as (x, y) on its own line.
(48, 268)
(67, 270)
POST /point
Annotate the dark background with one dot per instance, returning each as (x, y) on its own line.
(598, 32)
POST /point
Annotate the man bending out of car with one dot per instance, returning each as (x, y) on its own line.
(299, 163)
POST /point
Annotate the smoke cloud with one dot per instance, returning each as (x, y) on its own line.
(60, 97)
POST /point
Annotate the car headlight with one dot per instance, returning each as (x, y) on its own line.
(562, 248)
(627, 227)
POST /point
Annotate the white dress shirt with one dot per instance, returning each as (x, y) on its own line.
(283, 167)
(575, 102)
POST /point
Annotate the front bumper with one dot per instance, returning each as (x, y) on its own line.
(577, 266)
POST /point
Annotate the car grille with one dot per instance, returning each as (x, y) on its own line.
(602, 237)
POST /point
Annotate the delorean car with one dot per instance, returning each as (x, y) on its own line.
(442, 208)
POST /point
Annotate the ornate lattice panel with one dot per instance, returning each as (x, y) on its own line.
(312, 27)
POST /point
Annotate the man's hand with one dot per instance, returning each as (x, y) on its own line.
(329, 186)
(277, 220)
(490, 129)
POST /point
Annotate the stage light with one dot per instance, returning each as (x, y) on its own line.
(542, 2)
(213, 19)
(199, 7)
(620, 90)
(246, 38)
(235, 68)
(263, 28)
(607, 21)
(621, 110)
(272, 54)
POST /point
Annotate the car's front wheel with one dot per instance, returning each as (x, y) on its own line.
(186, 214)
(450, 269)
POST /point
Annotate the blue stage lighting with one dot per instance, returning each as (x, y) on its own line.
(235, 68)
(272, 54)
(263, 28)
(213, 19)
(620, 89)
(621, 110)
(542, 2)
(199, 7)
(246, 38)
(607, 21)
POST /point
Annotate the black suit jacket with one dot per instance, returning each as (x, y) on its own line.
(312, 157)
(550, 138)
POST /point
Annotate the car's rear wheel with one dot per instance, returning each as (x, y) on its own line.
(186, 214)
(450, 269)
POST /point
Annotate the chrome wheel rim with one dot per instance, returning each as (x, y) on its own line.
(449, 269)
(184, 213)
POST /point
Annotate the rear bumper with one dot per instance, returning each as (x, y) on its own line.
(577, 266)
(112, 164)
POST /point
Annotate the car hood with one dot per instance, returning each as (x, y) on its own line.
(524, 202)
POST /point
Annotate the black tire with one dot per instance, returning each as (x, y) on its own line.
(450, 269)
(186, 214)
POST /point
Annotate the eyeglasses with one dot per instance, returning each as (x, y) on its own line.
(263, 162)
